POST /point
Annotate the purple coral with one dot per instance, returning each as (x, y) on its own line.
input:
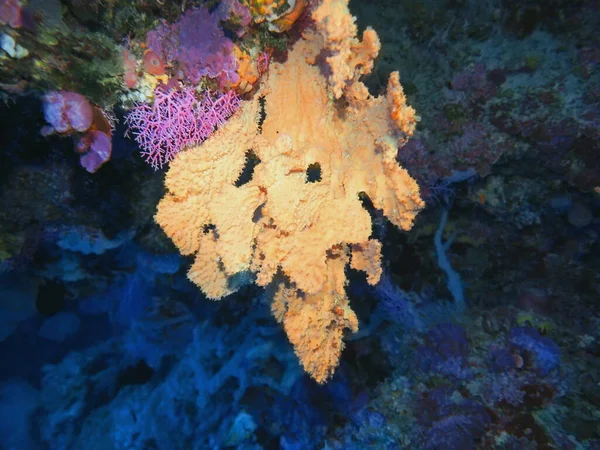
(445, 352)
(236, 14)
(477, 82)
(178, 119)
(503, 388)
(197, 46)
(397, 305)
(447, 422)
(543, 353)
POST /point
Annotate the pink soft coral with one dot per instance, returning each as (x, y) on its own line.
(178, 119)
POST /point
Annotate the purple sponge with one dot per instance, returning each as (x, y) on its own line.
(197, 46)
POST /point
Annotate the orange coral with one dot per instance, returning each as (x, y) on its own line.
(247, 70)
(263, 9)
(290, 232)
(280, 14)
(285, 22)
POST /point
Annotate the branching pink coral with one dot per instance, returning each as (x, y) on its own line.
(178, 119)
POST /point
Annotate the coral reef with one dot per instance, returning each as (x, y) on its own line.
(289, 175)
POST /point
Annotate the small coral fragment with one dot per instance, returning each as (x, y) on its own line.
(403, 115)
(367, 257)
(206, 271)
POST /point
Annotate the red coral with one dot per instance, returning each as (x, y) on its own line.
(68, 113)
(65, 112)
(153, 63)
(11, 13)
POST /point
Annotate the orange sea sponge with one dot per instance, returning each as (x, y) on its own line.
(282, 228)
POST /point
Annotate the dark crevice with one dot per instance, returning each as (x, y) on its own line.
(248, 171)
(262, 114)
(313, 173)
